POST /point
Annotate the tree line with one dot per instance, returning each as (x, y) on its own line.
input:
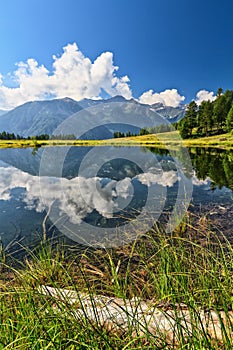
(146, 131)
(209, 118)
(119, 134)
(11, 136)
(4, 135)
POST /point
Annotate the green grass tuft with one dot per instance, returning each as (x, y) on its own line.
(192, 266)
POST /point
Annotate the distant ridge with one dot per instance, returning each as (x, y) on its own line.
(39, 117)
(43, 117)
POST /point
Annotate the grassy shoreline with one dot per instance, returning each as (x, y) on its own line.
(164, 140)
(190, 268)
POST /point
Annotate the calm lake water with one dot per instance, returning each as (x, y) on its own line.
(85, 192)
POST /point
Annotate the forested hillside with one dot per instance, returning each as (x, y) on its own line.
(208, 118)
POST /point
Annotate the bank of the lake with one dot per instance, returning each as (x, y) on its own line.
(163, 140)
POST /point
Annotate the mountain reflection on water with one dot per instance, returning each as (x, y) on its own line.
(98, 200)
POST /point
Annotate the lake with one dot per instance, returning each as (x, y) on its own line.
(103, 195)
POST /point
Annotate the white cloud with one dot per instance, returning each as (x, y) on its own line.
(69, 197)
(75, 197)
(199, 182)
(78, 196)
(167, 178)
(204, 95)
(73, 75)
(124, 187)
(169, 97)
(76, 76)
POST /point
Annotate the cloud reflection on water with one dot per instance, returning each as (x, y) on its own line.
(104, 195)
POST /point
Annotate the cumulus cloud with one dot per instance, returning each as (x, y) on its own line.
(167, 178)
(169, 97)
(73, 75)
(204, 95)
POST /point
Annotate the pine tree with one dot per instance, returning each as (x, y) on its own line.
(205, 116)
(189, 121)
(229, 120)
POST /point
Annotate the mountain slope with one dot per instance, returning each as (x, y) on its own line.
(172, 114)
(39, 117)
(43, 117)
(2, 112)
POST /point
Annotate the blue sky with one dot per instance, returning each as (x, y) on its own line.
(158, 44)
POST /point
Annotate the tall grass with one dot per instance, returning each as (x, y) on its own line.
(191, 268)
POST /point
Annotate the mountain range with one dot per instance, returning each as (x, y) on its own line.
(43, 117)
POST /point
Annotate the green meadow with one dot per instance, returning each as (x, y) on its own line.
(163, 140)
